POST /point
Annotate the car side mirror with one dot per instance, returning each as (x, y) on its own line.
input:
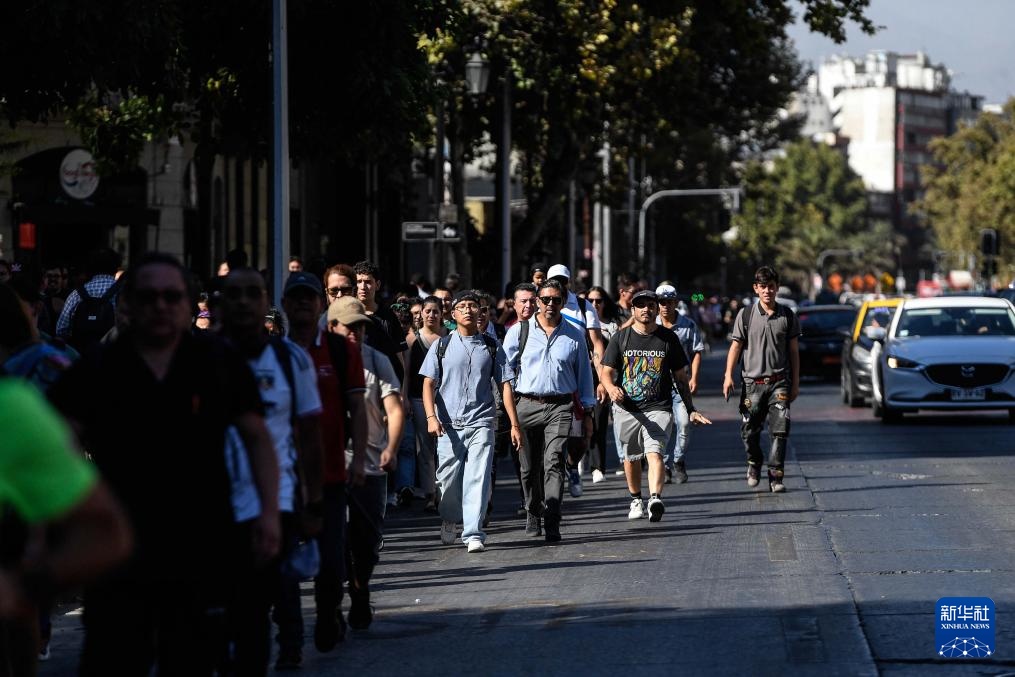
(875, 333)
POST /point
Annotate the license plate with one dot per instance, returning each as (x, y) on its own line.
(969, 395)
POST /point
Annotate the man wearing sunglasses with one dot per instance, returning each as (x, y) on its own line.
(153, 408)
(551, 363)
(650, 363)
(583, 315)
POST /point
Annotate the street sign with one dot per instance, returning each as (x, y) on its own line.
(430, 231)
(420, 231)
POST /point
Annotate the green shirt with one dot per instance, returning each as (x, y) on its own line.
(41, 475)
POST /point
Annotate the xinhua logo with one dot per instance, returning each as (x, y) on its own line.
(964, 627)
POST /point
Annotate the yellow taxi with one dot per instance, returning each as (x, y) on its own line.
(855, 373)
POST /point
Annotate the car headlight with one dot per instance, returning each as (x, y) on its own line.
(895, 362)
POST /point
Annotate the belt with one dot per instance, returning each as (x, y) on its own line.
(547, 399)
(766, 380)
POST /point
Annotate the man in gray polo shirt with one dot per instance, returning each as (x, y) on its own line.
(766, 334)
(460, 412)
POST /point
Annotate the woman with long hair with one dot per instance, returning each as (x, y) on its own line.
(419, 344)
(607, 311)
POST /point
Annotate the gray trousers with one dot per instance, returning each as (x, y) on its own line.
(546, 428)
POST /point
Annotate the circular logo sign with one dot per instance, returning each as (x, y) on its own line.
(77, 174)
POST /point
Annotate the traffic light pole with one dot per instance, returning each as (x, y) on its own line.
(733, 193)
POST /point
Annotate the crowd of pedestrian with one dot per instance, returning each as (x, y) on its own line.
(220, 450)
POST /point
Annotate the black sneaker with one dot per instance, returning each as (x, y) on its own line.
(329, 631)
(680, 471)
(361, 614)
(532, 527)
(405, 497)
(775, 484)
(551, 526)
(289, 658)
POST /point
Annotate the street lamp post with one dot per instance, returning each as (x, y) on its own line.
(733, 193)
(477, 75)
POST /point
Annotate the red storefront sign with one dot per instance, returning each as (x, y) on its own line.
(26, 235)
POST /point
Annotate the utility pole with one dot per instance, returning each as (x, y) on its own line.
(280, 149)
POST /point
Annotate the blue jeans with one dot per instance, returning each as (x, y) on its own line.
(676, 447)
(405, 475)
(464, 464)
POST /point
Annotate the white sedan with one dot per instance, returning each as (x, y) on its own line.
(946, 353)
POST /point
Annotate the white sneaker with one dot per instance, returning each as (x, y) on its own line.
(637, 509)
(620, 473)
(447, 532)
(476, 546)
(597, 476)
(656, 508)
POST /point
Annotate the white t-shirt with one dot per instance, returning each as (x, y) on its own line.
(573, 314)
(277, 398)
(381, 381)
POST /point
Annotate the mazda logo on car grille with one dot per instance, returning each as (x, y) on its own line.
(968, 371)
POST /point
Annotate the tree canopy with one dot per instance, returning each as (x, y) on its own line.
(686, 88)
(803, 203)
(971, 186)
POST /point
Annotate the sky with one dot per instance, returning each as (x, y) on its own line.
(972, 38)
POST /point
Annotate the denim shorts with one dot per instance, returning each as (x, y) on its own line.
(642, 432)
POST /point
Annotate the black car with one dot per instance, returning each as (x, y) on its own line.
(822, 332)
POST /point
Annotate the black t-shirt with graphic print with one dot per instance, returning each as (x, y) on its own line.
(646, 364)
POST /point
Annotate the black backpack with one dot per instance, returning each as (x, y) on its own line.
(93, 317)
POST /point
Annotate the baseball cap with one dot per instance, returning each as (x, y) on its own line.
(303, 279)
(645, 294)
(348, 310)
(558, 270)
(666, 291)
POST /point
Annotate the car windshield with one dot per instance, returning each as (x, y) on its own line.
(878, 316)
(956, 322)
(826, 321)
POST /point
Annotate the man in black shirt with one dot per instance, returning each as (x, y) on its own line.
(152, 408)
(384, 333)
(651, 363)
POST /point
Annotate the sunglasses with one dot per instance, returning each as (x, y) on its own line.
(592, 300)
(643, 303)
(335, 292)
(148, 297)
(252, 292)
(551, 300)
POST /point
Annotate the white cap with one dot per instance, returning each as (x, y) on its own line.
(558, 270)
(666, 291)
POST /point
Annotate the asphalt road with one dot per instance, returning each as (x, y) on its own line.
(838, 576)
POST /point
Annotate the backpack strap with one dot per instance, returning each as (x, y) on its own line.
(111, 292)
(284, 357)
(442, 348)
(491, 345)
(523, 338)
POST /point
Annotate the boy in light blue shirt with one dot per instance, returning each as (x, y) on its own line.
(460, 411)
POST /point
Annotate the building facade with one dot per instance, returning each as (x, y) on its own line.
(884, 109)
